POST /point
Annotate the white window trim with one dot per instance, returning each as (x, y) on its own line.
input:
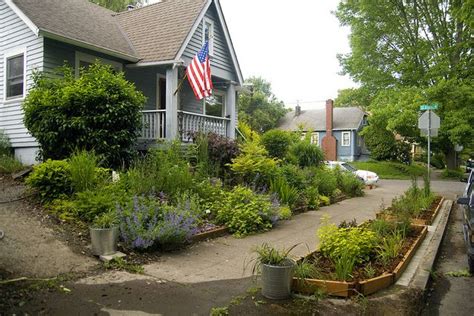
(349, 139)
(211, 34)
(91, 59)
(312, 135)
(224, 103)
(9, 54)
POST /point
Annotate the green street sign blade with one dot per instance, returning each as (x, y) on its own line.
(426, 107)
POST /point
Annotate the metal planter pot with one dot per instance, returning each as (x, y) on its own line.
(276, 280)
(104, 240)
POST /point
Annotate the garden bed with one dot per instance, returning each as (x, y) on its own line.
(426, 218)
(209, 233)
(385, 275)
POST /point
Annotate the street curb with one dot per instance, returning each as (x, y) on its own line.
(422, 274)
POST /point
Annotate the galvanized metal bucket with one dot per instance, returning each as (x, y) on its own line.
(276, 280)
(104, 240)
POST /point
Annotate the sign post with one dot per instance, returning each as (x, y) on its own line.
(429, 122)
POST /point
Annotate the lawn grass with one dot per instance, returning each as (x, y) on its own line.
(391, 170)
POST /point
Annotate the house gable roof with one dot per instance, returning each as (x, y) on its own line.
(158, 31)
(79, 21)
(346, 118)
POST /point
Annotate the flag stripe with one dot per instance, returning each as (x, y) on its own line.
(199, 73)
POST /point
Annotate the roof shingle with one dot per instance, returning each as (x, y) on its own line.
(315, 120)
(79, 20)
(158, 31)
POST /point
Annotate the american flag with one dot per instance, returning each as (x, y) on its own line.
(199, 73)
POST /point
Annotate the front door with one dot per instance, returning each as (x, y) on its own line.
(161, 95)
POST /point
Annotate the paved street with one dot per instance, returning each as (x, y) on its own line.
(450, 295)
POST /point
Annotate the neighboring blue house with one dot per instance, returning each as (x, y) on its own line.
(152, 45)
(343, 123)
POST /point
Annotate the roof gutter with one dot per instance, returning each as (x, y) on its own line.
(156, 63)
(83, 44)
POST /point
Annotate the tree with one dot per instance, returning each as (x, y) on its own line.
(119, 5)
(260, 108)
(359, 97)
(398, 45)
(98, 111)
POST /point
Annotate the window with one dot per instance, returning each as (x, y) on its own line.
(215, 105)
(346, 139)
(85, 61)
(315, 138)
(15, 76)
(208, 34)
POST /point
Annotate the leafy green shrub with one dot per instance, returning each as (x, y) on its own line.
(253, 161)
(294, 175)
(64, 209)
(220, 151)
(98, 111)
(267, 254)
(52, 179)
(355, 242)
(9, 164)
(286, 193)
(312, 197)
(351, 185)
(90, 204)
(277, 142)
(324, 200)
(452, 173)
(437, 161)
(284, 213)
(245, 212)
(211, 195)
(325, 181)
(84, 173)
(105, 220)
(305, 154)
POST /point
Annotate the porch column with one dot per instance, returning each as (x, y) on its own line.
(231, 110)
(171, 103)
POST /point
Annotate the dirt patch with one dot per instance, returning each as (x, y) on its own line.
(30, 248)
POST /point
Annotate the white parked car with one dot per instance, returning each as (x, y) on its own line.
(369, 177)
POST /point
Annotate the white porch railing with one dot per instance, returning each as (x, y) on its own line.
(154, 123)
(190, 122)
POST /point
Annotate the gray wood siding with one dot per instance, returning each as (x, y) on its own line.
(14, 33)
(221, 61)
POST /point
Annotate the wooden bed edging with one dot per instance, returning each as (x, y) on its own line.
(410, 253)
(365, 287)
(214, 233)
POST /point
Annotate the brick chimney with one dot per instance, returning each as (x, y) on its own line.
(329, 116)
(297, 110)
(329, 142)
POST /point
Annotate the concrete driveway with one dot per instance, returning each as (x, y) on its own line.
(225, 258)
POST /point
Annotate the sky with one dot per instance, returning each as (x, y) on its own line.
(292, 44)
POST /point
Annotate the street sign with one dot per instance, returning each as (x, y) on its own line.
(424, 121)
(434, 132)
(426, 107)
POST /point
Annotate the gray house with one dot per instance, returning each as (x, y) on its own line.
(336, 130)
(152, 45)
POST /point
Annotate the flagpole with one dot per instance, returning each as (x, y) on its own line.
(181, 83)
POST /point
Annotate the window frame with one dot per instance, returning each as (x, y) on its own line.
(9, 55)
(313, 134)
(348, 139)
(205, 22)
(224, 103)
(80, 56)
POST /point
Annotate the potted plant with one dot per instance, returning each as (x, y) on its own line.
(276, 269)
(104, 234)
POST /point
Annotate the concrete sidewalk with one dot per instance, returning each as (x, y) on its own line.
(225, 257)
